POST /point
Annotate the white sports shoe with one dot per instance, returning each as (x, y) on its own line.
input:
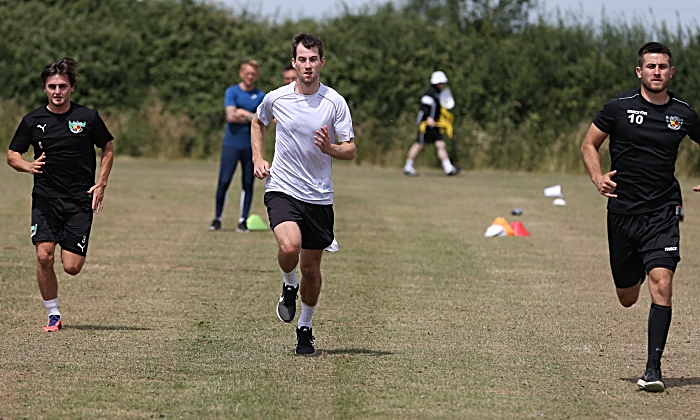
(409, 171)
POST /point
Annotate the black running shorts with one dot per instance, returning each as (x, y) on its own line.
(315, 220)
(431, 135)
(641, 242)
(62, 220)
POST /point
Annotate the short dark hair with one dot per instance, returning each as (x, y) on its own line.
(653, 48)
(65, 66)
(308, 41)
(288, 67)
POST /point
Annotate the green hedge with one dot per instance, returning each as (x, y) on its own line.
(526, 88)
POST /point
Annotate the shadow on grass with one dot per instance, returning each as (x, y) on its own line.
(358, 351)
(103, 328)
(671, 382)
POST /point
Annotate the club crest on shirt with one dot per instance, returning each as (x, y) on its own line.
(33, 229)
(674, 123)
(78, 126)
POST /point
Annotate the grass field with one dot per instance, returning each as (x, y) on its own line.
(420, 316)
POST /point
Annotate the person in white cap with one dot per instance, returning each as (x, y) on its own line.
(430, 113)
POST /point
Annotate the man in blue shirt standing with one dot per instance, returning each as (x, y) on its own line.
(241, 102)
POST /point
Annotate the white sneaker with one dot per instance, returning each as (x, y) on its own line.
(409, 171)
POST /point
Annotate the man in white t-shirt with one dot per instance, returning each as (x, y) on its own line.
(299, 190)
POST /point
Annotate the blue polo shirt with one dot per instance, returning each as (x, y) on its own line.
(238, 135)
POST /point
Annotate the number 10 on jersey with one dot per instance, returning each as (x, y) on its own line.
(636, 118)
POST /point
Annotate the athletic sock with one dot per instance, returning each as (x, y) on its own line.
(447, 166)
(307, 314)
(52, 307)
(657, 330)
(409, 164)
(291, 279)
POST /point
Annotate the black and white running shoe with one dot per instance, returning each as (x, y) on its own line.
(651, 381)
(287, 306)
(305, 341)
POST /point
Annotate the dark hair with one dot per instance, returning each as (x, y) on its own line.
(308, 41)
(65, 66)
(653, 48)
(288, 67)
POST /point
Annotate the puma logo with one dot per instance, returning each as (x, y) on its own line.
(42, 127)
(82, 247)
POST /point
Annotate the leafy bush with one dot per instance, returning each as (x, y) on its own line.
(526, 90)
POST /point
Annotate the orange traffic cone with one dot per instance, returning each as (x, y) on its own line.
(502, 222)
(519, 229)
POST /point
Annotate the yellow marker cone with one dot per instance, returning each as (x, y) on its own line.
(255, 222)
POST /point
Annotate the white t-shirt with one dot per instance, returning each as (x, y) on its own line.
(299, 168)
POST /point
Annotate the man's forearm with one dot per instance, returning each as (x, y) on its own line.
(343, 151)
(591, 160)
(257, 138)
(106, 163)
(17, 162)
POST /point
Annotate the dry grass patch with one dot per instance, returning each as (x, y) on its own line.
(420, 315)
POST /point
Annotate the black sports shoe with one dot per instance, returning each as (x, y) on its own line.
(305, 341)
(455, 170)
(287, 306)
(651, 381)
(242, 227)
(215, 225)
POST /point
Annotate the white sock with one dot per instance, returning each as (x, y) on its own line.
(291, 278)
(52, 307)
(447, 166)
(409, 164)
(307, 314)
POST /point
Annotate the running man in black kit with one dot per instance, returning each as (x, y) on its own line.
(64, 135)
(646, 127)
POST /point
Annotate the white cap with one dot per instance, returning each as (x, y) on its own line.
(438, 77)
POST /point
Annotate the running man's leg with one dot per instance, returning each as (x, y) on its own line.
(288, 237)
(48, 284)
(628, 296)
(72, 263)
(660, 288)
(310, 287)
(628, 269)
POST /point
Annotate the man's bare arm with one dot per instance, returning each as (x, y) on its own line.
(16, 161)
(342, 151)
(591, 159)
(261, 168)
(98, 190)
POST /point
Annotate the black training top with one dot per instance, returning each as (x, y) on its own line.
(429, 105)
(644, 140)
(69, 141)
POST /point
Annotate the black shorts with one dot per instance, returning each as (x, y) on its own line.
(641, 242)
(62, 220)
(315, 220)
(431, 135)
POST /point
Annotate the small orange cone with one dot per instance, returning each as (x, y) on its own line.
(502, 222)
(519, 229)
